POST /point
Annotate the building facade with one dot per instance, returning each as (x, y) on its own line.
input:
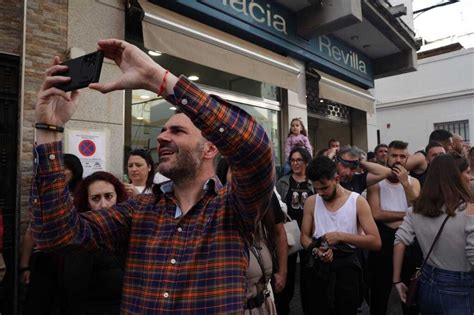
(276, 59)
(440, 95)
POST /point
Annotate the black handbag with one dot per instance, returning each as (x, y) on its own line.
(413, 286)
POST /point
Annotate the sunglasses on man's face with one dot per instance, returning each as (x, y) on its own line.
(352, 164)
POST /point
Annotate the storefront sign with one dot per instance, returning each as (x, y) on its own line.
(260, 12)
(272, 26)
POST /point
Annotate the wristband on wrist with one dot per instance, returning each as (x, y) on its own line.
(49, 127)
(163, 83)
(397, 282)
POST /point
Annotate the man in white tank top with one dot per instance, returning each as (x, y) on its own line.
(389, 201)
(330, 231)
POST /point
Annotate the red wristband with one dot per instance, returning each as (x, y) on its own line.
(163, 83)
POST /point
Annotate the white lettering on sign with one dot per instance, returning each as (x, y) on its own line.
(258, 13)
(349, 58)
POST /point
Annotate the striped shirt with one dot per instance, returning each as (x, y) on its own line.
(191, 264)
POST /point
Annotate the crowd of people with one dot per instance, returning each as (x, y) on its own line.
(209, 237)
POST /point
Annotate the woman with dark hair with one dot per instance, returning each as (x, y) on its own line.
(446, 285)
(294, 189)
(267, 254)
(91, 282)
(73, 171)
(141, 171)
(85, 201)
(464, 168)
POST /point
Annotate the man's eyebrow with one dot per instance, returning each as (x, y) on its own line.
(174, 128)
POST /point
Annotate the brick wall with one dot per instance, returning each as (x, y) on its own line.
(46, 36)
(11, 26)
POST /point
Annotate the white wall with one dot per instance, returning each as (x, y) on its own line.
(442, 90)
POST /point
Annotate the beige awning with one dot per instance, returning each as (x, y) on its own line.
(179, 36)
(343, 92)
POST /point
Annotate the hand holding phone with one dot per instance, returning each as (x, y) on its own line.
(83, 71)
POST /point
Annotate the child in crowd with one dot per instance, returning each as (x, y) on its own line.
(297, 137)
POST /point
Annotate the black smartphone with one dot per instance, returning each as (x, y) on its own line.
(82, 70)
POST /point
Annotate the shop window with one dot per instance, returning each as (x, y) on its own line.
(323, 108)
(149, 113)
(460, 127)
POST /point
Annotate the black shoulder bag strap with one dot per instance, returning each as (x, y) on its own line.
(434, 242)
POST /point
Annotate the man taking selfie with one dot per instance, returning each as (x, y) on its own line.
(186, 243)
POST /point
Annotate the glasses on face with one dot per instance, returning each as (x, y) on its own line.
(296, 161)
(352, 164)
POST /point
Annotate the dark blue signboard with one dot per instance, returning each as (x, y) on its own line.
(272, 26)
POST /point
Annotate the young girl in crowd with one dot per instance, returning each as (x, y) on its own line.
(297, 137)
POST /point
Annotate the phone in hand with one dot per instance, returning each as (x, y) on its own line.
(83, 71)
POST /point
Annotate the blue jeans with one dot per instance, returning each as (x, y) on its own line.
(446, 292)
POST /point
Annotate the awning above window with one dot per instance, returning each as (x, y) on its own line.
(336, 90)
(179, 36)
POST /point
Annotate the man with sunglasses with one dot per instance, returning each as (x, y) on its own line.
(349, 163)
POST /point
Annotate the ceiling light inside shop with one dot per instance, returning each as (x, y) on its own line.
(139, 118)
(321, 101)
(193, 78)
(173, 108)
(154, 53)
(144, 97)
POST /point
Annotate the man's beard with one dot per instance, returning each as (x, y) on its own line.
(331, 196)
(186, 167)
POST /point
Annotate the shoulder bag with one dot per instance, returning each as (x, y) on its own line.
(293, 235)
(413, 286)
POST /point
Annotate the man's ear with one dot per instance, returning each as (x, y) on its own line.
(210, 150)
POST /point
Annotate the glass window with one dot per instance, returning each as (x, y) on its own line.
(149, 113)
(460, 127)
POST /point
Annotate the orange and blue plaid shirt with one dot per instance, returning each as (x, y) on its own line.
(193, 264)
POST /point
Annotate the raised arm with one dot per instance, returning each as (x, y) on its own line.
(376, 172)
(416, 162)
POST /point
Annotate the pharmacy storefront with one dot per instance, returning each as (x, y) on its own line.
(247, 53)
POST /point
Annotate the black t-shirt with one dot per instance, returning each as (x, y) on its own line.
(279, 215)
(420, 176)
(357, 184)
(298, 192)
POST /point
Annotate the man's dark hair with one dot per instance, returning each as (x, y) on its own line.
(73, 163)
(331, 141)
(432, 145)
(381, 145)
(397, 144)
(321, 167)
(440, 135)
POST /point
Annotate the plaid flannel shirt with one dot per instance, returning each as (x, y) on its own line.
(194, 264)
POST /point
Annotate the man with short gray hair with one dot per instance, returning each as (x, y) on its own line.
(349, 161)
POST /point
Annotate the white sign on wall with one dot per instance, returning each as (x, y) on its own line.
(89, 147)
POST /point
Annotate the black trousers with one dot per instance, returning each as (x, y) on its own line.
(283, 299)
(381, 271)
(335, 290)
